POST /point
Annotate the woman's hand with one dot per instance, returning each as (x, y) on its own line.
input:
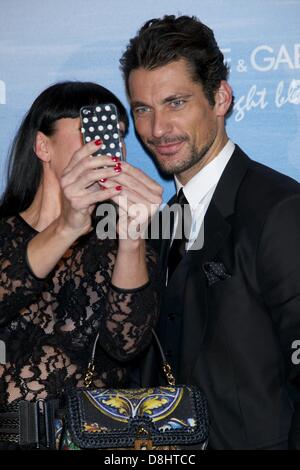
(138, 201)
(81, 187)
(80, 192)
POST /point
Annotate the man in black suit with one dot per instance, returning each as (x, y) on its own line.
(230, 316)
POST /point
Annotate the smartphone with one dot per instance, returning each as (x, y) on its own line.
(102, 122)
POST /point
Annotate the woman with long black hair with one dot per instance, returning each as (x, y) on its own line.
(59, 283)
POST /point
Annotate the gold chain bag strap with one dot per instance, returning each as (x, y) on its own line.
(164, 417)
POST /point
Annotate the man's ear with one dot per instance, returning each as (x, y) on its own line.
(41, 147)
(223, 98)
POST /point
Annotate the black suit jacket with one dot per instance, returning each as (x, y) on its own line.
(236, 333)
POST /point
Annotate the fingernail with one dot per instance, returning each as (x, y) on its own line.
(115, 159)
(102, 180)
(117, 169)
(118, 188)
(98, 142)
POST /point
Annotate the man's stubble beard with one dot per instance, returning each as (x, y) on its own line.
(194, 158)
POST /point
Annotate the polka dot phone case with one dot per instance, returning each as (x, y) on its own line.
(101, 122)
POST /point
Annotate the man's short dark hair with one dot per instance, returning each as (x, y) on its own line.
(164, 40)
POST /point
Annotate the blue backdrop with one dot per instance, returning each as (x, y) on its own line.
(43, 42)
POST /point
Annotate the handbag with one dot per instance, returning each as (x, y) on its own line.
(162, 417)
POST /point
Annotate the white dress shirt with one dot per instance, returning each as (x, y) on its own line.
(200, 189)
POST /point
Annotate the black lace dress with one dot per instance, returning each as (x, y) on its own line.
(49, 326)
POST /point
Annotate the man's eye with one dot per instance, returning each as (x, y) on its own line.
(177, 103)
(141, 110)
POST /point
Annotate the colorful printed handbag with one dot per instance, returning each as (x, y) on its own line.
(141, 419)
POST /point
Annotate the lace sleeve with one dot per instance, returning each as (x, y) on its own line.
(125, 330)
(18, 286)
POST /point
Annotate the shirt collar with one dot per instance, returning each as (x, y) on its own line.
(207, 178)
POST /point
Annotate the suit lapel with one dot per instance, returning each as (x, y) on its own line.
(216, 225)
(197, 317)
(198, 321)
(216, 231)
(216, 222)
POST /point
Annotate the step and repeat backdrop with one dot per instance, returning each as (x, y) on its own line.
(43, 42)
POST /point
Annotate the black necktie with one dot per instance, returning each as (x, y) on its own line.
(178, 247)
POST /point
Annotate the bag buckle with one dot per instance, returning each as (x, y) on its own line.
(37, 423)
(29, 423)
(143, 440)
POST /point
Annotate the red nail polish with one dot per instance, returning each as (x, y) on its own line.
(98, 142)
(102, 180)
(118, 188)
(117, 169)
(115, 159)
